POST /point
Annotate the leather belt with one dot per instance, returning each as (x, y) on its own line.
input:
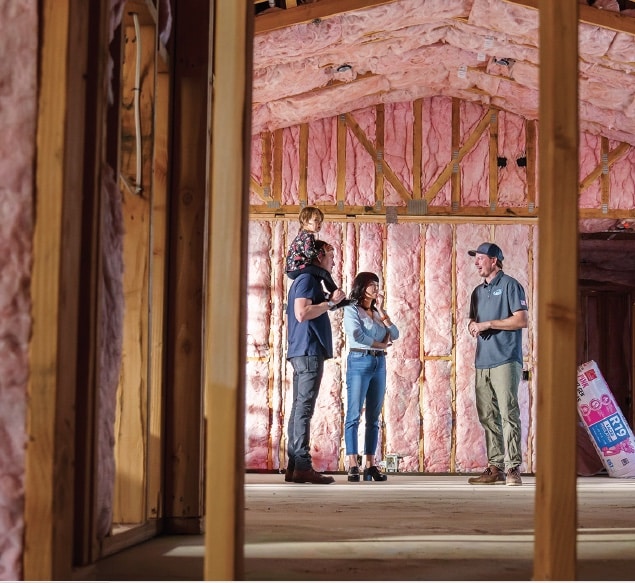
(369, 352)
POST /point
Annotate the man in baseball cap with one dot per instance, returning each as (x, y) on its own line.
(498, 313)
(489, 249)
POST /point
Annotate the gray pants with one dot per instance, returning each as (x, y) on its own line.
(499, 413)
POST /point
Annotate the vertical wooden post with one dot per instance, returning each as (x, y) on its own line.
(184, 346)
(64, 287)
(555, 518)
(226, 285)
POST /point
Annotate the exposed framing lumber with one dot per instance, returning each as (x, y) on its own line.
(380, 160)
(132, 443)
(555, 506)
(605, 185)
(593, 16)
(184, 496)
(387, 171)
(226, 285)
(65, 241)
(304, 162)
(265, 138)
(277, 166)
(438, 184)
(455, 176)
(417, 149)
(493, 161)
(309, 12)
(158, 270)
(612, 156)
(530, 152)
(340, 194)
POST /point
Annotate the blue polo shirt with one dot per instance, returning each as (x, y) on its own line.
(311, 337)
(498, 300)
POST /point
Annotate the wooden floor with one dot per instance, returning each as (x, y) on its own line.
(408, 528)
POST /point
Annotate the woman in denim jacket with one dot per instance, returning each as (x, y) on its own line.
(370, 332)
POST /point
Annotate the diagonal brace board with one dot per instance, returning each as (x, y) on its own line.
(613, 157)
(388, 173)
(465, 149)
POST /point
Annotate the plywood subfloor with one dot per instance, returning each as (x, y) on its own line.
(408, 528)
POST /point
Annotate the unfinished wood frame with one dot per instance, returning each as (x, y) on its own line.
(449, 174)
(555, 515)
(184, 501)
(64, 286)
(226, 283)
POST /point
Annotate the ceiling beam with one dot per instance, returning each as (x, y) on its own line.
(593, 16)
(269, 21)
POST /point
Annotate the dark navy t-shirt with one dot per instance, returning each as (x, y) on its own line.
(311, 337)
(498, 300)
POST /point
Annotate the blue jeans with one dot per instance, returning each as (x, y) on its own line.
(307, 376)
(365, 382)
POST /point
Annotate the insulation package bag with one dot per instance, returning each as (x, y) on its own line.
(603, 419)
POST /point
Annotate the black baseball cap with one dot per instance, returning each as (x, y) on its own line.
(489, 249)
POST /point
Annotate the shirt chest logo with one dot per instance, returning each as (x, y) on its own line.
(497, 292)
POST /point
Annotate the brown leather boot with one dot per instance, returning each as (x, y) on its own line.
(491, 475)
(311, 476)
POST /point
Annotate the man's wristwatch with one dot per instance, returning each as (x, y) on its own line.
(331, 304)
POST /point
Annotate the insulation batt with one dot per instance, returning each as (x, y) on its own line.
(429, 414)
(18, 111)
(453, 46)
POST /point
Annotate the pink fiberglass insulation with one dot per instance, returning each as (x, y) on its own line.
(402, 414)
(512, 178)
(360, 167)
(429, 414)
(322, 165)
(484, 51)
(290, 168)
(437, 144)
(18, 71)
(475, 166)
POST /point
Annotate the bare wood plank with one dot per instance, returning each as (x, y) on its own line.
(341, 160)
(145, 9)
(266, 165)
(158, 289)
(184, 500)
(380, 160)
(131, 437)
(277, 165)
(530, 150)
(605, 177)
(612, 157)
(65, 195)
(455, 178)
(493, 161)
(224, 367)
(304, 162)
(417, 151)
(258, 189)
(438, 184)
(309, 12)
(589, 15)
(555, 508)
(99, 145)
(368, 146)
